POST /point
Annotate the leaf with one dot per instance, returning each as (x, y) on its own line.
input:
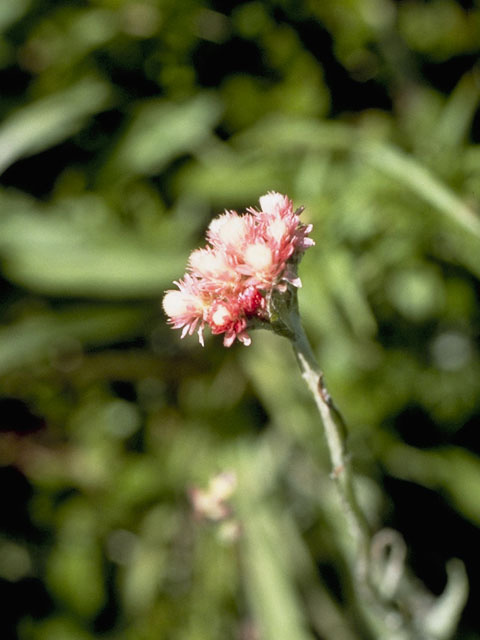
(420, 180)
(74, 570)
(27, 341)
(58, 627)
(276, 134)
(48, 121)
(279, 133)
(270, 585)
(10, 12)
(121, 270)
(60, 254)
(159, 132)
(75, 576)
(457, 115)
(454, 470)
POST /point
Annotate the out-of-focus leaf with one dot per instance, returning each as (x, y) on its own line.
(453, 470)
(420, 180)
(440, 29)
(161, 131)
(75, 576)
(15, 561)
(279, 133)
(214, 586)
(417, 293)
(339, 272)
(106, 272)
(268, 574)
(75, 568)
(144, 573)
(221, 176)
(29, 340)
(139, 481)
(143, 578)
(58, 255)
(90, 29)
(48, 121)
(58, 627)
(457, 115)
(11, 11)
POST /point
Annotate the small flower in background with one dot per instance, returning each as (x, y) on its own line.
(229, 282)
(248, 631)
(211, 503)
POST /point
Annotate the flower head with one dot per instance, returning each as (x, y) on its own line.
(231, 279)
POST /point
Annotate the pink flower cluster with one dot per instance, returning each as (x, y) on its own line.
(228, 282)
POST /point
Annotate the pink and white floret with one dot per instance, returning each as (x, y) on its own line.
(229, 282)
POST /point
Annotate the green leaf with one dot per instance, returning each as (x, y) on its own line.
(60, 254)
(47, 121)
(453, 470)
(10, 12)
(269, 582)
(118, 271)
(415, 176)
(58, 627)
(75, 577)
(30, 340)
(159, 132)
(75, 566)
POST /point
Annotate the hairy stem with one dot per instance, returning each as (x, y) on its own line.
(392, 603)
(383, 618)
(335, 433)
(285, 320)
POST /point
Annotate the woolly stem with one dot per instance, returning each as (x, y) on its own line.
(335, 434)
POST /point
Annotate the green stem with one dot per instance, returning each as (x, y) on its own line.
(335, 434)
(285, 320)
(372, 605)
(385, 616)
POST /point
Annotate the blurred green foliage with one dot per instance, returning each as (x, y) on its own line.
(125, 126)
